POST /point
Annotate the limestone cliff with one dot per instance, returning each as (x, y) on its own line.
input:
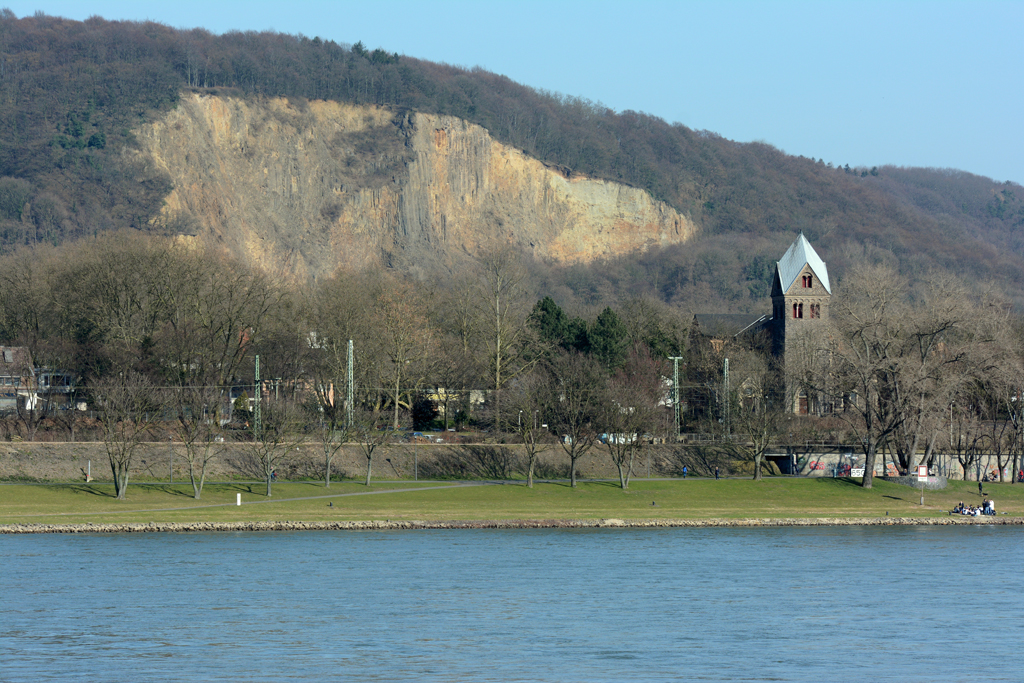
(305, 189)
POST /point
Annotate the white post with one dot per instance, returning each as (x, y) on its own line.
(238, 499)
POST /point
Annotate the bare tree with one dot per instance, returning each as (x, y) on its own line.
(327, 411)
(116, 289)
(197, 412)
(998, 395)
(504, 313)
(952, 339)
(630, 410)
(129, 404)
(527, 396)
(758, 410)
(371, 432)
(29, 315)
(452, 373)
(458, 311)
(406, 338)
(886, 354)
(213, 312)
(340, 310)
(968, 435)
(575, 388)
(1011, 399)
(272, 436)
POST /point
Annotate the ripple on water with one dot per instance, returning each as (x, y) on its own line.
(787, 604)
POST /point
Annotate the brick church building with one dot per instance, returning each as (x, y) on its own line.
(800, 294)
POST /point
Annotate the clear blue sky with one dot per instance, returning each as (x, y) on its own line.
(865, 83)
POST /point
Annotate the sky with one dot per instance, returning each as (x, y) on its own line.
(911, 83)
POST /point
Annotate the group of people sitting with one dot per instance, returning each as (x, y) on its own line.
(988, 507)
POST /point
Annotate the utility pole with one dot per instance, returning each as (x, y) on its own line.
(725, 373)
(349, 390)
(257, 417)
(675, 397)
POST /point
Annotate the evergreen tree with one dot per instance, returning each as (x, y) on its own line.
(608, 340)
(578, 337)
(423, 412)
(550, 321)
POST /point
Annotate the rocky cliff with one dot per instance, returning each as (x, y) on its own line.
(306, 189)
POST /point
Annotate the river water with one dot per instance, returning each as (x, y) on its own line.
(789, 604)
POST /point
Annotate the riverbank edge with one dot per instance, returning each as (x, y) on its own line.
(388, 525)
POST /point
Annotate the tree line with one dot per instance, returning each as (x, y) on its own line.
(158, 329)
(135, 319)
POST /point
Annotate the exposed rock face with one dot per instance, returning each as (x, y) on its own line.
(305, 190)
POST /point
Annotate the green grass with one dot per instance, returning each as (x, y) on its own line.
(689, 499)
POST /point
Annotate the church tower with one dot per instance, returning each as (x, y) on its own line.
(800, 297)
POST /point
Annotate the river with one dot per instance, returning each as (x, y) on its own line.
(784, 604)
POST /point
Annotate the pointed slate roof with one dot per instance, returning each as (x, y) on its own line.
(792, 262)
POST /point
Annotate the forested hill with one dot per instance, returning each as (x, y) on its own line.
(71, 93)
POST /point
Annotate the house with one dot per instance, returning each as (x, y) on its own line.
(17, 378)
(55, 386)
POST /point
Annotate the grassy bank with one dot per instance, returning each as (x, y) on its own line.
(347, 501)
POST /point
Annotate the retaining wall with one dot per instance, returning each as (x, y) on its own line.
(57, 461)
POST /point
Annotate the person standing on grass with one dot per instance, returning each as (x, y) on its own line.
(980, 491)
(716, 473)
(684, 471)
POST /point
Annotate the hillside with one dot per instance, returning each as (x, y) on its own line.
(306, 156)
(305, 189)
